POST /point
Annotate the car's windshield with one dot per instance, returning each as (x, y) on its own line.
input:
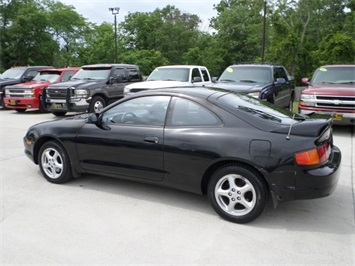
(246, 74)
(13, 73)
(336, 75)
(255, 107)
(92, 73)
(50, 76)
(175, 74)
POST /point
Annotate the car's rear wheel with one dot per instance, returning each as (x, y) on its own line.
(54, 163)
(97, 104)
(237, 193)
(59, 113)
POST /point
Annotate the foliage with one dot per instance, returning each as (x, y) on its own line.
(300, 34)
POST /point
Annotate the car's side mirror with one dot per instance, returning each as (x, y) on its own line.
(96, 118)
(214, 79)
(280, 81)
(196, 79)
(305, 81)
(27, 78)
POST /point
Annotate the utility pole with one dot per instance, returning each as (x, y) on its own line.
(115, 11)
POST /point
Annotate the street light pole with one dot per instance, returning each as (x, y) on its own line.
(115, 11)
(264, 33)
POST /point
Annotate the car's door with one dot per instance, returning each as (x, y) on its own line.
(115, 88)
(283, 90)
(130, 141)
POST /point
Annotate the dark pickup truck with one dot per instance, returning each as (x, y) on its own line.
(17, 75)
(90, 89)
(268, 82)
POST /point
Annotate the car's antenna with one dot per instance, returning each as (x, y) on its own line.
(289, 130)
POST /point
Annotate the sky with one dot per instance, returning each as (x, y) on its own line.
(97, 11)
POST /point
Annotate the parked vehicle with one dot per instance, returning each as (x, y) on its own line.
(27, 95)
(171, 76)
(267, 82)
(90, 89)
(331, 91)
(17, 75)
(233, 147)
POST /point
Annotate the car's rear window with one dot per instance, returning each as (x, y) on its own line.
(237, 103)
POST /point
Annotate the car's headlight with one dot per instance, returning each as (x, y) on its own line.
(82, 93)
(308, 100)
(255, 94)
(126, 90)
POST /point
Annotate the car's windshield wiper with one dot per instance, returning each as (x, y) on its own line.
(348, 82)
(247, 80)
(227, 80)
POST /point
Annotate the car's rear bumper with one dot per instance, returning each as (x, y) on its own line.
(307, 182)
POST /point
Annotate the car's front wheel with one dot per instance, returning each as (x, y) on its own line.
(97, 104)
(54, 163)
(59, 113)
(237, 193)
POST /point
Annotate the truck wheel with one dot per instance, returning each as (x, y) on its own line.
(237, 193)
(97, 104)
(20, 110)
(42, 109)
(59, 113)
(2, 104)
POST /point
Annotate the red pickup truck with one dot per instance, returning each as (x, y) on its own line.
(27, 95)
(331, 91)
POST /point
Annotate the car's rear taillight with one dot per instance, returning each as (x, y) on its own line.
(314, 156)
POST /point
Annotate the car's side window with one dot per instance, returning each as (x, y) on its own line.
(67, 75)
(120, 72)
(283, 73)
(189, 113)
(149, 110)
(205, 75)
(133, 74)
(196, 73)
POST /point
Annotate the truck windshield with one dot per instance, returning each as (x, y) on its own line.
(92, 73)
(245, 74)
(175, 74)
(47, 76)
(13, 73)
(334, 75)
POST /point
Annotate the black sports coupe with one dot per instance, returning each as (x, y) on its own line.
(238, 150)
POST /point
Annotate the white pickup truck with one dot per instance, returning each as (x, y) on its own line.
(171, 76)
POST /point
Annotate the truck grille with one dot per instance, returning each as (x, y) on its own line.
(17, 93)
(336, 102)
(57, 93)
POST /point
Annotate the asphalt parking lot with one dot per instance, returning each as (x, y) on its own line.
(98, 220)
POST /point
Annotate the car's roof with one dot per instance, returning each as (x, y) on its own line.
(60, 69)
(201, 92)
(106, 65)
(181, 66)
(254, 65)
(344, 65)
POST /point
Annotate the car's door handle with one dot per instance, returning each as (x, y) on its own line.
(151, 139)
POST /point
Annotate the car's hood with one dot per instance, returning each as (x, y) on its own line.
(31, 84)
(331, 89)
(156, 84)
(4, 82)
(76, 83)
(238, 87)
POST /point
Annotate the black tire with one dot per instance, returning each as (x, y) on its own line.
(59, 113)
(2, 104)
(54, 163)
(20, 110)
(41, 108)
(242, 202)
(97, 103)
